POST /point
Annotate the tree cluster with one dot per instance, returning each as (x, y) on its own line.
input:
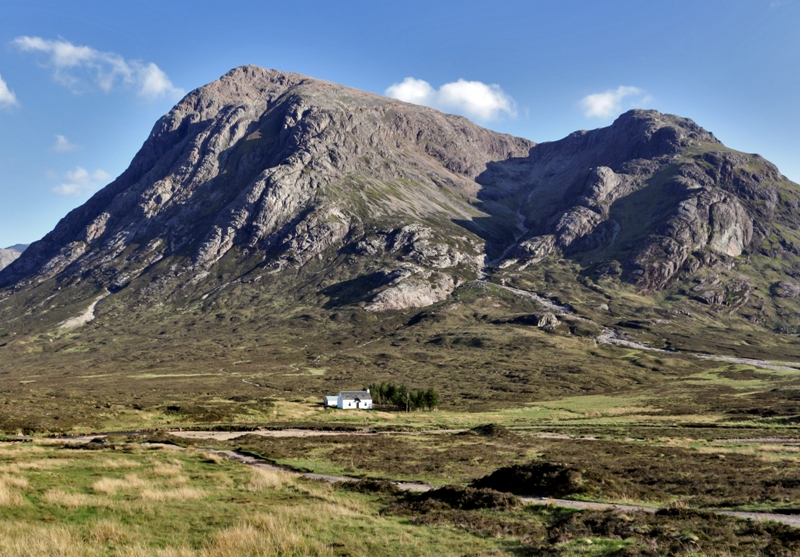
(402, 397)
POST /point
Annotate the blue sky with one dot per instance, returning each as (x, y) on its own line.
(83, 82)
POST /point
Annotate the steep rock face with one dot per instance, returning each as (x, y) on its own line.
(649, 194)
(278, 164)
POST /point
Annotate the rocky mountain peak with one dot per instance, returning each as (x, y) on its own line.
(270, 163)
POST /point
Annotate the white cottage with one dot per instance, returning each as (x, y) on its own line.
(330, 401)
(361, 400)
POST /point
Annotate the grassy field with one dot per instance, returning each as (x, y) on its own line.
(141, 502)
(125, 500)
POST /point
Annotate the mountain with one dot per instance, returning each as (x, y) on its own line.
(264, 171)
(301, 209)
(11, 253)
(277, 168)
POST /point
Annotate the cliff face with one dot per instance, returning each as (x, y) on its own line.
(271, 176)
(653, 198)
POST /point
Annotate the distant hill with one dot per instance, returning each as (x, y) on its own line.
(10, 254)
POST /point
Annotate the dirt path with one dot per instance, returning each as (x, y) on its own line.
(250, 460)
(762, 441)
(587, 505)
(549, 305)
(423, 487)
(228, 435)
(610, 336)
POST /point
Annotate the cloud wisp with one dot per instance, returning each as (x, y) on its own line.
(7, 96)
(76, 66)
(64, 145)
(80, 181)
(610, 103)
(474, 99)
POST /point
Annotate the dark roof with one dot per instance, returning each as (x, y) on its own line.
(352, 395)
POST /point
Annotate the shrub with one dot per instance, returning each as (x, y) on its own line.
(370, 486)
(470, 498)
(537, 478)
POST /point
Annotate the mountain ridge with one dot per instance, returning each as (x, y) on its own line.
(345, 198)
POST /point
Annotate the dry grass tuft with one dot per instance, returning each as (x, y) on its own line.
(177, 480)
(177, 494)
(18, 482)
(110, 486)
(219, 479)
(164, 469)
(329, 500)
(9, 497)
(69, 499)
(41, 464)
(142, 551)
(106, 532)
(268, 479)
(18, 540)
(215, 458)
(119, 463)
(268, 534)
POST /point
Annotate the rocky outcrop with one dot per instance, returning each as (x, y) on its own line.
(417, 243)
(656, 195)
(786, 289)
(547, 321)
(728, 296)
(413, 288)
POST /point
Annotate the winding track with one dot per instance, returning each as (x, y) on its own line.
(611, 336)
(250, 460)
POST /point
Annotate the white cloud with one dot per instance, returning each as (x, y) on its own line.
(72, 64)
(63, 145)
(604, 105)
(80, 181)
(415, 91)
(471, 98)
(7, 96)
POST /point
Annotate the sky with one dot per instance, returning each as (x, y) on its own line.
(82, 83)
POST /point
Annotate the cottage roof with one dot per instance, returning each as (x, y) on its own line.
(352, 395)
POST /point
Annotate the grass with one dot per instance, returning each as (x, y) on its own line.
(653, 469)
(95, 505)
(234, 357)
(123, 500)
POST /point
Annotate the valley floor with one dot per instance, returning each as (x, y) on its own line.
(168, 495)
